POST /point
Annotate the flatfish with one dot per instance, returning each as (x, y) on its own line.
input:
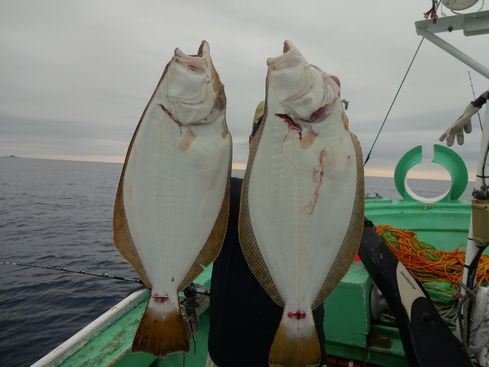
(172, 204)
(301, 215)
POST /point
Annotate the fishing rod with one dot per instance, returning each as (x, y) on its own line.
(65, 270)
(189, 292)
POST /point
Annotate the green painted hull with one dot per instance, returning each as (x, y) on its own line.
(350, 332)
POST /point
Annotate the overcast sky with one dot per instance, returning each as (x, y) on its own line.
(75, 76)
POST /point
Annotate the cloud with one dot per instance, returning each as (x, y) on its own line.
(75, 77)
(38, 137)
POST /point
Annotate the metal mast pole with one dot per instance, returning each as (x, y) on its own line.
(472, 24)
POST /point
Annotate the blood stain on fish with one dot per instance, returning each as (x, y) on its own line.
(172, 118)
(317, 176)
(160, 299)
(299, 315)
(291, 124)
(188, 136)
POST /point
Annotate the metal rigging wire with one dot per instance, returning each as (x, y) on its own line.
(429, 14)
(393, 101)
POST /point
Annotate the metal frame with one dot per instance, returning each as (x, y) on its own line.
(472, 24)
(476, 23)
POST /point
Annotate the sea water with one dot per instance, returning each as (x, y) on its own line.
(59, 213)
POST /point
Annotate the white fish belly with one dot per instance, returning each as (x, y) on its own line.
(172, 197)
(300, 203)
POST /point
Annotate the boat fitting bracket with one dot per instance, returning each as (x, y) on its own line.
(472, 24)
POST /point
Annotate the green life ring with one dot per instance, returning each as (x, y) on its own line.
(443, 156)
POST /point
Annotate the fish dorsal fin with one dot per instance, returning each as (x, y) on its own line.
(213, 245)
(122, 238)
(353, 236)
(247, 239)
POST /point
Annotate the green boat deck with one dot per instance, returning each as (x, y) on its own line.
(349, 330)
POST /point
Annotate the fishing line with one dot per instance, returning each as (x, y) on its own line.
(429, 265)
(394, 100)
(189, 292)
(65, 270)
(434, 8)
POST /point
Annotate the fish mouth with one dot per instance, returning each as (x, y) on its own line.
(190, 96)
(193, 68)
(290, 57)
(287, 46)
(195, 62)
(306, 92)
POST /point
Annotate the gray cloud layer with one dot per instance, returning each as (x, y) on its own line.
(75, 76)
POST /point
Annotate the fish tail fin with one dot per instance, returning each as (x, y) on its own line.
(162, 330)
(296, 342)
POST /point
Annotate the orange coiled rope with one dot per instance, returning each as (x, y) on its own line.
(427, 264)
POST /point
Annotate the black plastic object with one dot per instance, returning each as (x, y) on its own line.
(427, 340)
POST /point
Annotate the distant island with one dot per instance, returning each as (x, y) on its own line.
(11, 156)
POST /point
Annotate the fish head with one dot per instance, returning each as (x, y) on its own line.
(192, 92)
(307, 93)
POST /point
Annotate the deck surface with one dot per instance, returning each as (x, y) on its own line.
(348, 328)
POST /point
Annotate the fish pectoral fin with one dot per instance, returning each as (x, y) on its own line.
(295, 346)
(186, 139)
(161, 330)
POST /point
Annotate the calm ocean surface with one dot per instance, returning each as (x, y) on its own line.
(59, 213)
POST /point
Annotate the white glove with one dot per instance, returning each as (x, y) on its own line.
(459, 126)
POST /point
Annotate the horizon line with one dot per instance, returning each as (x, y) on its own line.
(369, 172)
